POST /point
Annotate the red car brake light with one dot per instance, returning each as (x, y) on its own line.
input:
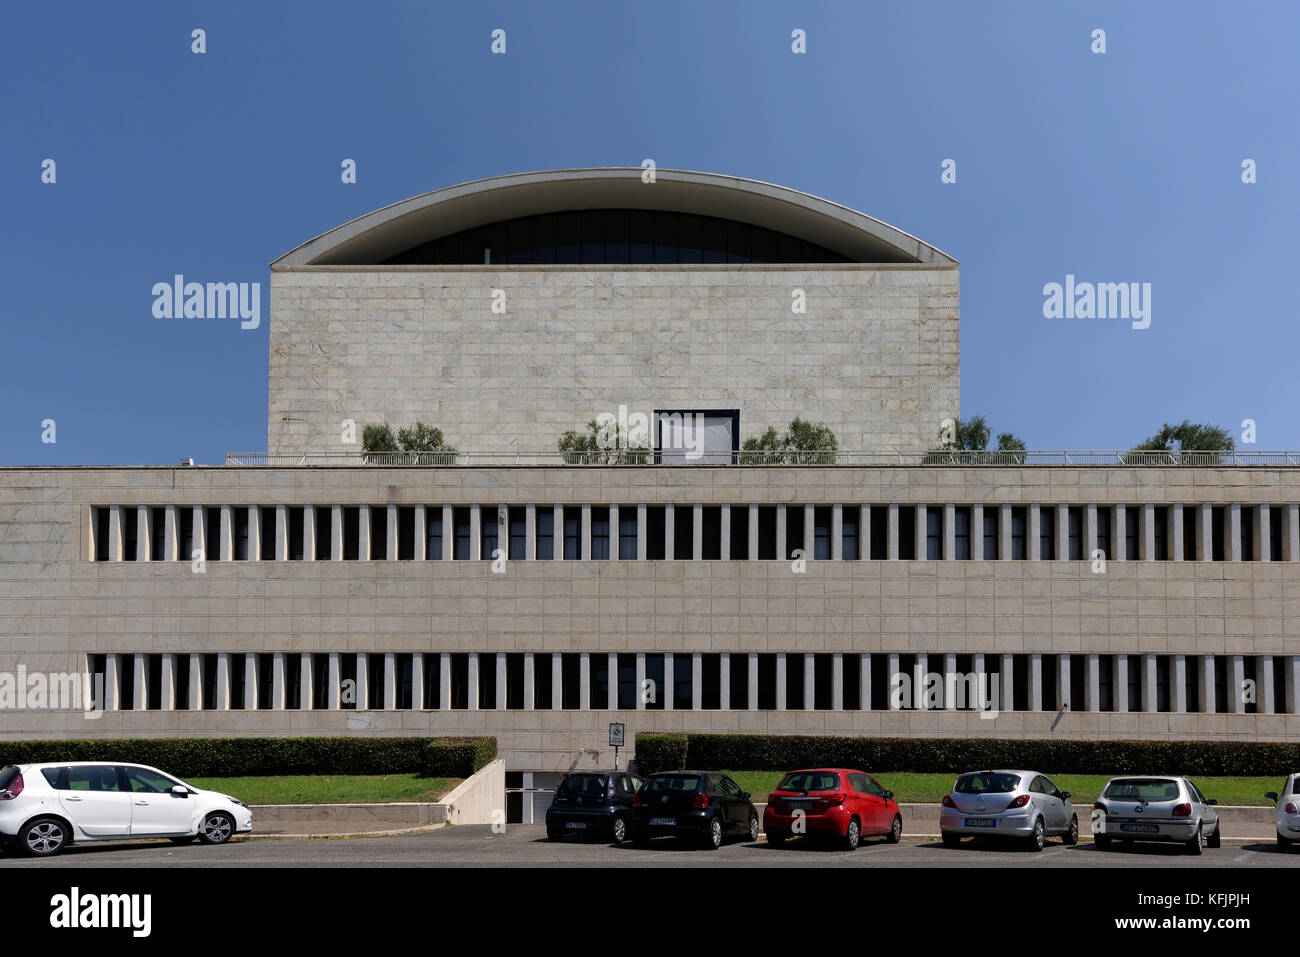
(839, 797)
(636, 799)
(1019, 802)
(1290, 807)
(1183, 810)
(701, 800)
(947, 801)
(1098, 806)
(15, 788)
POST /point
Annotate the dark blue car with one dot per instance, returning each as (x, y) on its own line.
(704, 806)
(593, 802)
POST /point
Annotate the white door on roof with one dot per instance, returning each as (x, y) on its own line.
(695, 438)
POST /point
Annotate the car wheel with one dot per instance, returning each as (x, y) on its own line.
(554, 834)
(753, 827)
(951, 840)
(1194, 845)
(852, 835)
(182, 840)
(1214, 840)
(618, 829)
(1102, 842)
(896, 830)
(713, 838)
(43, 837)
(1036, 840)
(1284, 843)
(1071, 836)
(217, 828)
(777, 838)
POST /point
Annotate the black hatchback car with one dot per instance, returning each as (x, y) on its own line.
(589, 802)
(706, 806)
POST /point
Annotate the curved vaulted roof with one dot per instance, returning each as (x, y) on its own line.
(375, 237)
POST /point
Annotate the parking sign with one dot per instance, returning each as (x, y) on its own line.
(615, 735)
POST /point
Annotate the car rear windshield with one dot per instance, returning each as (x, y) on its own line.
(987, 783)
(674, 782)
(810, 781)
(7, 775)
(1142, 789)
(584, 784)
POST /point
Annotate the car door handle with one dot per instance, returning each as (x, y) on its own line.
(139, 803)
(72, 799)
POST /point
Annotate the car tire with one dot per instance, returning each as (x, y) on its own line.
(1037, 839)
(183, 840)
(713, 836)
(217, 828)
(1284, 843)
(777, 838)
(950, 840)
(1194, 845)
(1215, 839)
(753, 826)
(1071, 836)
(554, 833)
(618, 829)
(896, 830)
(43, 837)
(1102, 842)
(852, 835)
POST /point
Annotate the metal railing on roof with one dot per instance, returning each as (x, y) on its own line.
(1123, 457)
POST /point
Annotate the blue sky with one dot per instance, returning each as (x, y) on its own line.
(1124, 166)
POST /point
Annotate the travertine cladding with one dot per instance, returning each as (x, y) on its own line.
(875, 356)
(56, 606)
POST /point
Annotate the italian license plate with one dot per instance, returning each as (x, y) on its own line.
(663, 821)
(981, 822)
(1140, 828)
(576, 826)
(799, 805)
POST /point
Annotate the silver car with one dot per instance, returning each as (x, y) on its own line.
(1286, 816)
(1024, 805)
(1155, 808)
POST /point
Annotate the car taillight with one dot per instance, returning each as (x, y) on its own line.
(1183, 810)
(771, 798)
(1098, 806)
(701, 800)
(636, 800)
(1019, 802)
(838, 797)
(15, 788)
(1290, 807)
(947, 801)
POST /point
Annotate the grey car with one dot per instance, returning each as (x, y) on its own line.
(1155, 808)
(1021, 805)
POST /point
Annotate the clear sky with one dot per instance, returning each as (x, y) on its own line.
(1117, 167)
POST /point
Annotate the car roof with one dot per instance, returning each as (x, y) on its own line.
(1021, 772)
(82, 764)
(674, 774)
(826, 771)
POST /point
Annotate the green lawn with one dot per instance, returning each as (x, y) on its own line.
(330, 789)
(930, 788)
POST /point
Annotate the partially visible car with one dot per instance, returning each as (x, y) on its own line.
(46, 807)
(706, 806)
(1286, 813)
(838, 803)
(1021, 805)
(593, 802)
(1155, 808)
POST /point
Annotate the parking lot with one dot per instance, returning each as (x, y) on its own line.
(527, 846)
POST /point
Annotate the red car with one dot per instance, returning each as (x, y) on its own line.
(831, 802)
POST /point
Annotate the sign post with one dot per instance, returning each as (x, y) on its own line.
(615, 739)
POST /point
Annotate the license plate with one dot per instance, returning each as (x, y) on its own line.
(799, 805)
(980, 822)
(663, 821)
(1140, 828)
(576, 826)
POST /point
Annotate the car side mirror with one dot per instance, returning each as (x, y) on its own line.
(180, 790)
(1271, 795)
(889, 795)
(745, 795)
(1211, 802)
(1065, 795)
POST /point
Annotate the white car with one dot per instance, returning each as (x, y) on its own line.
(1155, 808)
(46, 807)
(1286, 816)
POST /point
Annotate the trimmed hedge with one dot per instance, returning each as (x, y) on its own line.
(778, 752)
(239, 757)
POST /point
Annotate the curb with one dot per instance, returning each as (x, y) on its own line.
(342, 836)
